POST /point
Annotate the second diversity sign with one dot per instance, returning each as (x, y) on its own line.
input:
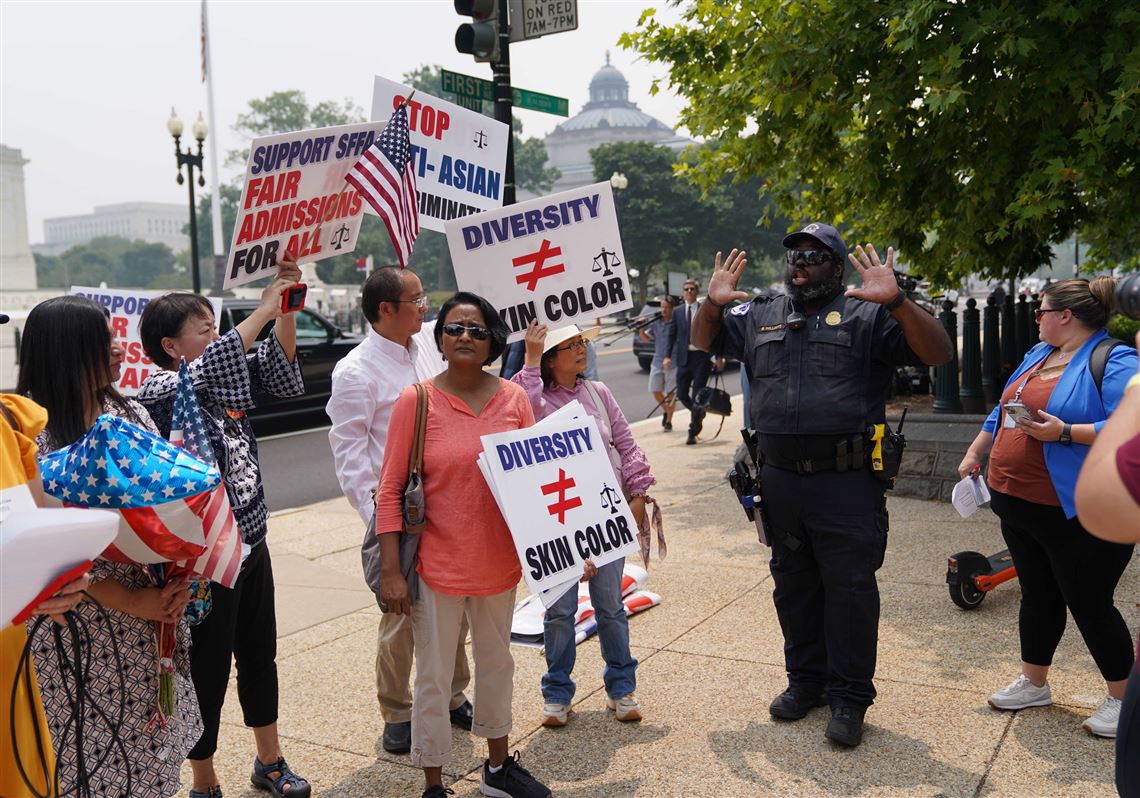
(557, 259)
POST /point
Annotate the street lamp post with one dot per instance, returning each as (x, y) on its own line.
(619, 183)
(190, 160)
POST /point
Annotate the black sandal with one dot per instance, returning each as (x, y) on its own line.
(260, 778)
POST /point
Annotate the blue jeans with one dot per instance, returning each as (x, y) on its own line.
(619, 674)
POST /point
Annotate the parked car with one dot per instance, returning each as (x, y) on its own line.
(320, 346)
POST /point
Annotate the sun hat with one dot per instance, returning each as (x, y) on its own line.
(563, 334)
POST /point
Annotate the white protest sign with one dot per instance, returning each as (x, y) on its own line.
(556, 258)
(560, 499)
(126, 308)
(459, 156)
(295, 199)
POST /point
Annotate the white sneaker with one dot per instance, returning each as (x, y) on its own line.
(625, 709)
(1103, 721)
(555, 715)
(1021, 694)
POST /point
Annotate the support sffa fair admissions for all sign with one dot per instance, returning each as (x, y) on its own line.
(557, 490)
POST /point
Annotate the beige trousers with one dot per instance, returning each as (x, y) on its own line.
(437, 619)
(394, 648)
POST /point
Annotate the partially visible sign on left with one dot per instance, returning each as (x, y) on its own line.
(126, 308)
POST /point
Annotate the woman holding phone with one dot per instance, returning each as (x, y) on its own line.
(1037, 439)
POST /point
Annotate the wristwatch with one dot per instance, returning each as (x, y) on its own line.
(1066, 435)
(897, 302)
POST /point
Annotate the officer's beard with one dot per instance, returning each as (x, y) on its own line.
(813, 292)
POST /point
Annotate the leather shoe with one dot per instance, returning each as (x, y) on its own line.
(691, 440)
(846, 725)
(462, 715)
(790, 705)
(397, 737)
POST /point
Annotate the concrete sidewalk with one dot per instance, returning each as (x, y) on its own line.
(711, 660)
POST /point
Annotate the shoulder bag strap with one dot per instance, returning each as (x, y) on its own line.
(416, 457)
(605, 413)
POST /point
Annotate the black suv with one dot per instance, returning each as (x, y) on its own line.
(320, 346)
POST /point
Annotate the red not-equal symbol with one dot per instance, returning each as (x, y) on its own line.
(545, 251)
(564, 503)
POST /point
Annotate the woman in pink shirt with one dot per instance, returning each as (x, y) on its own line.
(467, 563)
(552, 377)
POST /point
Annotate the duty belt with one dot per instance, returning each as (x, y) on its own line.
(848, 456)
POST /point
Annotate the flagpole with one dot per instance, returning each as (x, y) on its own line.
(215, 187)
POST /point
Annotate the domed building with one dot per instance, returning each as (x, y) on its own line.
(608, 117)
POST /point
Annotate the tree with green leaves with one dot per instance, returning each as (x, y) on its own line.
(117, 261)
(971, 136)
(667, 222)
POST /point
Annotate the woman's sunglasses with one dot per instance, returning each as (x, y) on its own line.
(454, 330)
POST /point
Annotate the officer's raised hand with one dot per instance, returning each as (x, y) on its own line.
(879, 283)
(722, 284)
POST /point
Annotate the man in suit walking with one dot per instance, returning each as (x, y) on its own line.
(691, 363)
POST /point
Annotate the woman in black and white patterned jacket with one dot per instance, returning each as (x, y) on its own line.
(242, 623)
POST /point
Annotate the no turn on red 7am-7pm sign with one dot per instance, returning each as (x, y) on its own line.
(557, 259)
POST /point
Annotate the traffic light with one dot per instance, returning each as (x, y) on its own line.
(480, 36)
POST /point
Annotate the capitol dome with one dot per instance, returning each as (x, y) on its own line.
(608, 117)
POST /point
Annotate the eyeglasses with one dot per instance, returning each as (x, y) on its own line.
(456, 329)
(1039, 312)
(812, 257)
(577, 343)
(420, 302)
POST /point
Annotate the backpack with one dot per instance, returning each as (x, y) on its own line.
(1098, 360)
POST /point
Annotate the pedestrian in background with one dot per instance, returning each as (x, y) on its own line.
(662, 380)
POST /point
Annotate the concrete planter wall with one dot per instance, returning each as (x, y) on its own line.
(935, 445)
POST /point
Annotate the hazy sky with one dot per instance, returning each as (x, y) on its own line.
(86, 88)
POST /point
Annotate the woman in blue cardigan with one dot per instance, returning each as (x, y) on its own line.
(1037, 439)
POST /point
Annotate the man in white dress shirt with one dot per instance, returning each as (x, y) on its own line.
(365, 386)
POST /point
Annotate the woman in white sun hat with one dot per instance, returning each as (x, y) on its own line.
(552, 378)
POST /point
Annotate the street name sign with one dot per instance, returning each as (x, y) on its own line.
(470, 92)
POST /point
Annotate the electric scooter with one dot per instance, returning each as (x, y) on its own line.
(971, 575)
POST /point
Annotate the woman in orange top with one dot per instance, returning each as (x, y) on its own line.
(20, 488)
(467, 562)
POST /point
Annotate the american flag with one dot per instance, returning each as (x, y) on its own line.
(205, 51)
(160, 491)
(221, 561)
(386, 179)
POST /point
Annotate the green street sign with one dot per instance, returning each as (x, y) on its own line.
(466, 86)
(533, 101)
(471, 92)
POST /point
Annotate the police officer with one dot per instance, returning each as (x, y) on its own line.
(821, 361)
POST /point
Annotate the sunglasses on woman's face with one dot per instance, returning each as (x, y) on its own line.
(455, 329)
(812, 257)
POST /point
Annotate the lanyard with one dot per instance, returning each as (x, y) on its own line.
(1037, 368)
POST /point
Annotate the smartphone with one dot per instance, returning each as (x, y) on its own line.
(1018, 411)
(293, 299)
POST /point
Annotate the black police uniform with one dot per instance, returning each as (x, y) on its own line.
(814, 392)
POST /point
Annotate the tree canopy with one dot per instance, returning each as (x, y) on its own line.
(969, 135)
(667, 223)
(116, 261)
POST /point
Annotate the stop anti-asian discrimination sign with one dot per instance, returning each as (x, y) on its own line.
(560, 498)
(557, 259)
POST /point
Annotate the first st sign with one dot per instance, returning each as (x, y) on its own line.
(531, 19)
